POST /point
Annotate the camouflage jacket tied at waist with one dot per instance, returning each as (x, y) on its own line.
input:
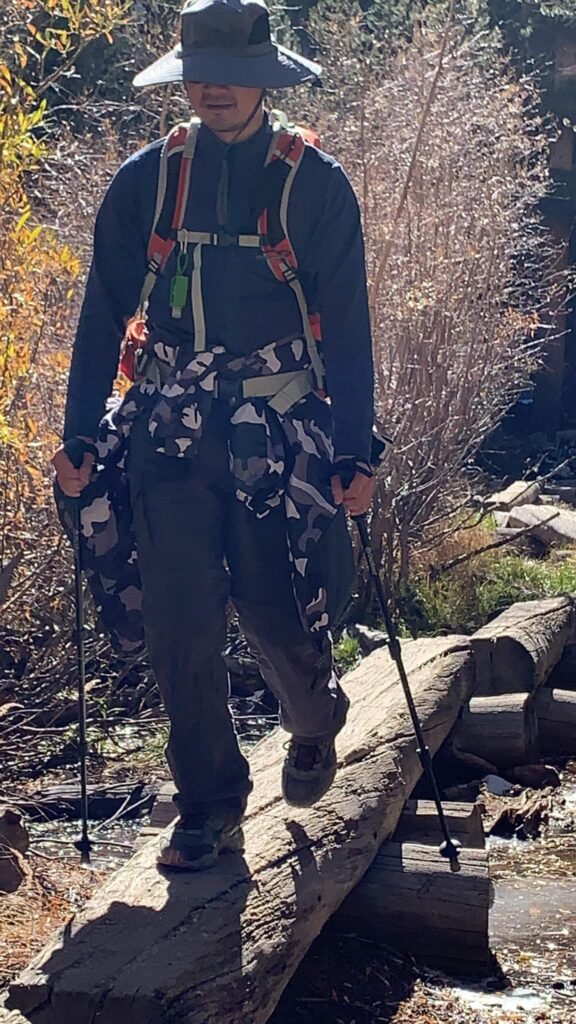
(274, 458)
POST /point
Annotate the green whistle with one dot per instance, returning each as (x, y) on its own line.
(179, 286)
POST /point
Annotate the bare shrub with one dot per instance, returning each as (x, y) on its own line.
(448, 156)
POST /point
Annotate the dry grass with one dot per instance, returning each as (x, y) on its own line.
(52, 892)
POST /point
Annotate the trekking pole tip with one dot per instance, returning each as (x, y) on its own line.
(451, 850)
(84, 848)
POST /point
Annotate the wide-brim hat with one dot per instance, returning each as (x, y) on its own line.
(228, 42)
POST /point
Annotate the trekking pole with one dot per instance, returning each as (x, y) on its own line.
(76, 449)
(450, 848)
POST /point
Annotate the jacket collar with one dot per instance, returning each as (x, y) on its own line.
(253, 148)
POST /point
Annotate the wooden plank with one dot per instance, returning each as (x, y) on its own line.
(219, 947)
(518, 650)
(419, 824)
(411, 900)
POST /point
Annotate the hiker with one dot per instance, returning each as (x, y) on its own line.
(238, 246)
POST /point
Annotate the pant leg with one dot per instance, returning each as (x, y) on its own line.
(296, 667)
(179, 515)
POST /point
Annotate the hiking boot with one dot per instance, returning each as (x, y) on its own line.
(308, 771)
(197, 840)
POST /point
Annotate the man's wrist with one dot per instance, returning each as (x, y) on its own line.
(351, 464)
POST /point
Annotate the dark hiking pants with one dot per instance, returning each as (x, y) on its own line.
(187, 523)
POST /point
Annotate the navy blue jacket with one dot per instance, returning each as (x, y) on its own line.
(245, 306)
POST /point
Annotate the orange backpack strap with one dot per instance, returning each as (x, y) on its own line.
(287, 149)
(169, 215)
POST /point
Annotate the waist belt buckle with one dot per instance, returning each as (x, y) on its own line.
(230, 391)
(224, 239)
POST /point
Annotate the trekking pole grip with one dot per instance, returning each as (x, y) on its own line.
(76, 448)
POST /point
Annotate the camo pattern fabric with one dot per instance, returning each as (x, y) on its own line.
(273, 458)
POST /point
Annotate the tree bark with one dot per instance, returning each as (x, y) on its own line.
(556, 711)
(518, 650)
(410, 899)
(501, 730)
(219, 947)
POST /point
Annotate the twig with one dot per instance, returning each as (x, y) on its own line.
(383, 262)
(29, 580)
(541, 479)
(437, 571)
(123, 810)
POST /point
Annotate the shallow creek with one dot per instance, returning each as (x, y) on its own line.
(533, 921)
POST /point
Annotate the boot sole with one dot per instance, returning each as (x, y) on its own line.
(175, 860)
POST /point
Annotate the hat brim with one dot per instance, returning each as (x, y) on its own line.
(276, 69)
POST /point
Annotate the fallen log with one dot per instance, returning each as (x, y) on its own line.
(518, 650)
(559, 530)
(63, 801)
(503, 730)
(556, 711)
(220, 946)
(563, 676)
(521, 492)
(419, 824)
(418, 821)
(409, 900)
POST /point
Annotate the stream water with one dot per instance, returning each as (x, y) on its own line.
(532, 919)
(533, 922)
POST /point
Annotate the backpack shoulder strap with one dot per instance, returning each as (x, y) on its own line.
(173, 181)
(287, 151)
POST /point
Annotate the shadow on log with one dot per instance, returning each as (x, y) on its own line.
(556, 711)
(220, 946)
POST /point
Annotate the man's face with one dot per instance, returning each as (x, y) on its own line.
(225, 108)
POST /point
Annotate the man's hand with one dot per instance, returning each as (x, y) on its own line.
(358, 496)
(73, 480)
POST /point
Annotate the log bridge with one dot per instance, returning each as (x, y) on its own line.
(220, 946)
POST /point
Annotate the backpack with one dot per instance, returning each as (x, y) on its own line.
(285, 155)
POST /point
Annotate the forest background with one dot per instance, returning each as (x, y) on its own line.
(435, 110)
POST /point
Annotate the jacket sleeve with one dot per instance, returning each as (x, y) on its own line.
(334, 264)
(111, 297)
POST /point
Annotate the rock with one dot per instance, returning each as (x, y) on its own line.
(522, 816)
(14, 841)
(369, 639)
(12, 870)
(465, 792)
(12, 832)
(535, 776)
(496, 785)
